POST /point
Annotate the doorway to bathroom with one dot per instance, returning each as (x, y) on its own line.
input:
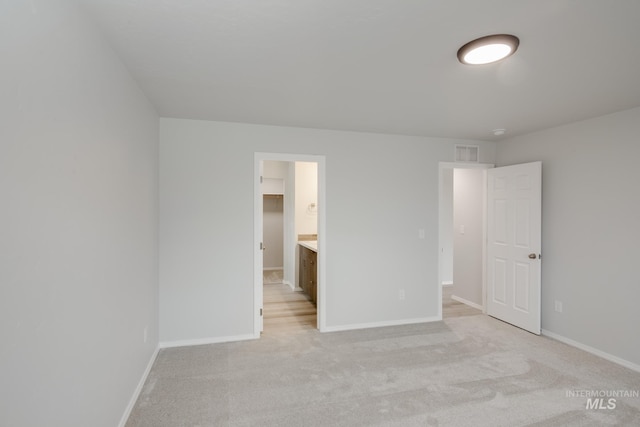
(289, 210)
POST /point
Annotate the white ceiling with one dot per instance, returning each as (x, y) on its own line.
(385, 66)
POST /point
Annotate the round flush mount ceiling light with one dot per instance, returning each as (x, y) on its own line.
(488, 49)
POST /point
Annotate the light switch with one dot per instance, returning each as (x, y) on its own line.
(421, 233)
(462, 229)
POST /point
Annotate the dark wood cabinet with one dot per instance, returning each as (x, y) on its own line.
(309, 272)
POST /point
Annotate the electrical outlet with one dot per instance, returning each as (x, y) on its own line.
(145, 334)
(401, 294)
(421, 233)
(559, 306)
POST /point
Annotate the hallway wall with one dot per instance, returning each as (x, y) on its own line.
(468, 228)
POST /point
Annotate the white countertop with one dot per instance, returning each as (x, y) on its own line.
(311, 244)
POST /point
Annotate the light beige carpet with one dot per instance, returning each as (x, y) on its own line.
(466, 371)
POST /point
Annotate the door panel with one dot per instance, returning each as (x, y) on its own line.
(521, 287)
(500, 281)
(514, 243)
(500, 221)
(522, 226)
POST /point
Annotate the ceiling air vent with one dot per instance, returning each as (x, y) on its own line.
(467, 153)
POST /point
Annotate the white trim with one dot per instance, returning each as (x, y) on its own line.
(288, 283)
(138, 390)
(439, 312)
(272, 268)
(467, 302)
(203, 341)
(595, 351)
(258, 262)
(445, 283)
(355, 326)
(322, 243)
(485, 241)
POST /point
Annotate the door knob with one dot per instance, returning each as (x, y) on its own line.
(533, 256)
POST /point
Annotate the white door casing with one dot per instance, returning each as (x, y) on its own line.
(259, 159)
(514, 242)
(259, 261)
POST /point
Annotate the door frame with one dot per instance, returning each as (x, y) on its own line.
(257, 235)
(442, 166)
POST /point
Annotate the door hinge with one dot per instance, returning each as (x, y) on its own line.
(260, 312)
(260, 179)
(261, 246)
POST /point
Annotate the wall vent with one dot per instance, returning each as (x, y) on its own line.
(467, 153)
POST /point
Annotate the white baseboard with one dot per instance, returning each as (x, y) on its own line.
(203, 341)
(355, 326)
(467, 302)
(447, 283)
(288, 283)
(138, 390)
(272, 268)
(595, 351)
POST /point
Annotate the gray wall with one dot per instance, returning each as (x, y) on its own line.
(590, 231)
(78, 223)
(468, 212)
(380, 190)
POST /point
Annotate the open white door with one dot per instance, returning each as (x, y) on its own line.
(514, 242)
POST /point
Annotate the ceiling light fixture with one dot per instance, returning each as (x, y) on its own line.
(499, 132)
(488, 49)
